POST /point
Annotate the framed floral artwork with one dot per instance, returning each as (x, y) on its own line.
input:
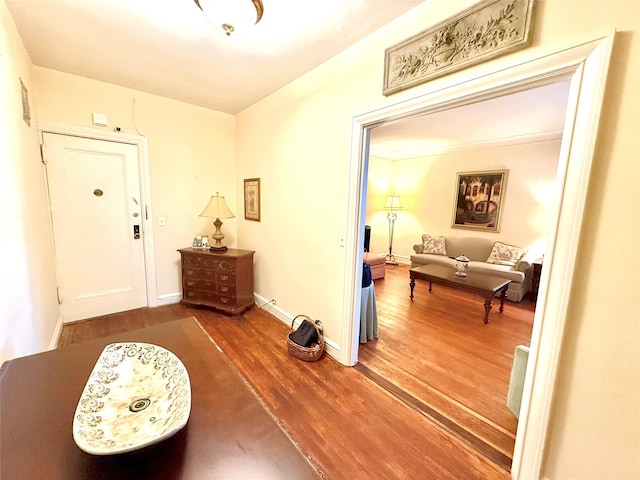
(486, 30)
(252, 199)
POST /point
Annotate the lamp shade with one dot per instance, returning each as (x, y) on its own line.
(217, 208)
(393, 203)
(232, 16)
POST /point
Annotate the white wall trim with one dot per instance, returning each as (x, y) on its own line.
(145, 188)
(586, 65)
(540, 137)
(169, 299)
(55, 337)
(330, 347)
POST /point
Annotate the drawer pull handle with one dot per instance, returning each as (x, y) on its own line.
(224, 277)
(224, 289)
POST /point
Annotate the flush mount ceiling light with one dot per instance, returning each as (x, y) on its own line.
(232, 16)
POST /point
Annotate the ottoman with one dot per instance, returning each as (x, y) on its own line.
(377, 264)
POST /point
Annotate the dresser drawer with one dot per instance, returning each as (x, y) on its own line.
(206, 297)
(194, 273)
(221, 265)
(223, 277)
(227, 289)
(198, 284)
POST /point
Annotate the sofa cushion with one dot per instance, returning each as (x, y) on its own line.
(474, 248)
(434, 245)
(504, 254)
(503, 271)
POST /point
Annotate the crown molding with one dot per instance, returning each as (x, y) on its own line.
(538, 137)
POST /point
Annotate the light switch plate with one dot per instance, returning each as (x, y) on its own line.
(100, 120)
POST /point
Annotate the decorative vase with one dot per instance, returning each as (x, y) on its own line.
(462, 266)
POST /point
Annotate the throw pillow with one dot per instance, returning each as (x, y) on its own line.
(434, 245)
(503, 254)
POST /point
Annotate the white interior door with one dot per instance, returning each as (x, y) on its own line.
(94, 194)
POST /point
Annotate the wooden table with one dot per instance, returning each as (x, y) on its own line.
(487, 286)
(229, 434)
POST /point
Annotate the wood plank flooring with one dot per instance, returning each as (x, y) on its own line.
(347, 425)
(437, 354)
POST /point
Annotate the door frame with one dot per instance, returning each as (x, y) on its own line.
(141, 145)
(586, 65)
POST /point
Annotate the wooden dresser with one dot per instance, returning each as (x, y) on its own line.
(220, 280)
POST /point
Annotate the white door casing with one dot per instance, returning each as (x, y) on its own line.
(95, 201)
(586, 65)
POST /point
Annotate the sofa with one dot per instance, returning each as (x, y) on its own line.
(486, 257)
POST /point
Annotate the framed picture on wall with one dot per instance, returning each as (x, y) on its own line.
(26, 111)
(252, 199)
(479, 199)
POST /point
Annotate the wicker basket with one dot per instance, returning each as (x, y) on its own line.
(308, 354)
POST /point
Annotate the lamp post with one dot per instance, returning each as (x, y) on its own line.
(391, 206)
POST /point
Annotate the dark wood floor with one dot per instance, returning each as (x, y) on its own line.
(343, 422)
(445, 362)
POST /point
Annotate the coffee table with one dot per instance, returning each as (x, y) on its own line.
(487, 286)
(229, 434)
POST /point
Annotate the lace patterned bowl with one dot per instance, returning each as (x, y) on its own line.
(138, 394)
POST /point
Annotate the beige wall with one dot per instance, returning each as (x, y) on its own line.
(298, 141)
(427, 189)
(28, 301)
(191, 156)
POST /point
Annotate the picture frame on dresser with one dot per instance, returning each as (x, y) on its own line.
(252, 199)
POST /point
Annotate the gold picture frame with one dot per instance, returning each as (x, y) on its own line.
(26, 110)
(252, 199)
(479, 200)
(486, 30)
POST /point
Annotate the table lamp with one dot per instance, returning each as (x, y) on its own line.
(217, 208)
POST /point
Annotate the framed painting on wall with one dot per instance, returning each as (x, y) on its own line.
(479, 199)
(486, 30)
(252, 199)
(26, 110)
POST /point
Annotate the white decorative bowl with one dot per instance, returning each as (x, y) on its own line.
(138, 394)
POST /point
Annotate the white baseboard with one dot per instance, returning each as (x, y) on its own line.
(55, 338)
(331, 347)
(401, 259)
(169, 299)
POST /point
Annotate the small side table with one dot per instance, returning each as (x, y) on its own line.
(535, 280)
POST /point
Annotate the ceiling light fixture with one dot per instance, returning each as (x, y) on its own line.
(232, 16)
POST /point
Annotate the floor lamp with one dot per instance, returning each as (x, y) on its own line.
(391, 206)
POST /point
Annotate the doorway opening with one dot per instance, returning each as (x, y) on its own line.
(585, 66)
(463, 383)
